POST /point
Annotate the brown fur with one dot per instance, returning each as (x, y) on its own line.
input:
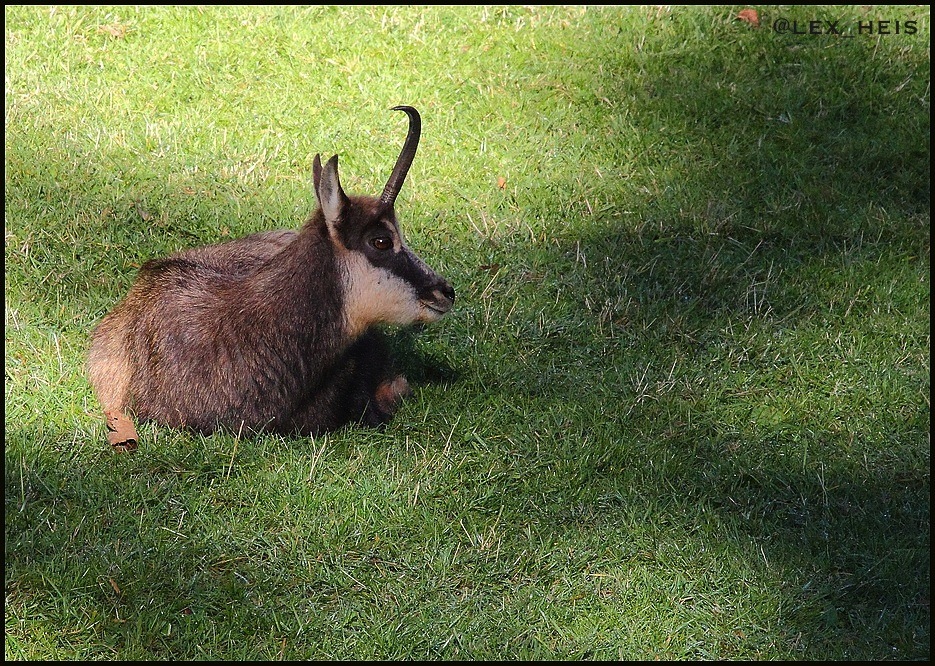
(274, 331)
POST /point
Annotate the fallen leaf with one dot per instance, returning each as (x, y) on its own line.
(501, 182)
(115, 30)
(114, 585)
(145, 214)
(120, 432)
(750, 16)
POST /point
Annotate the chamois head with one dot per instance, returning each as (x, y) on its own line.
(274, 331)
(385, 282)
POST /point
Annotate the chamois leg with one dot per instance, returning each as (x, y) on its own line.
(376, 392)
(109, 371)
(390, 393)
(361, 388)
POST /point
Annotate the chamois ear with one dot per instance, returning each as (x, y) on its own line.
(316, 171)
(331, 197)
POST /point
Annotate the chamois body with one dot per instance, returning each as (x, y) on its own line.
(275, 331)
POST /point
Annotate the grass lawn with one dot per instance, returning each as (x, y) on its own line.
(680, 410)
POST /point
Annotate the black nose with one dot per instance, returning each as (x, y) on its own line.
(447, 291)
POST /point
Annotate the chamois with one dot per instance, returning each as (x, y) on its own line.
(276, 331)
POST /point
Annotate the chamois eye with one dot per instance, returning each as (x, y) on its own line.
(381, 243)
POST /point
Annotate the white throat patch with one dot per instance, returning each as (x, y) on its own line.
(373, 295)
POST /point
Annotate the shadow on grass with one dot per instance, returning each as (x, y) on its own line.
(78, 552)
(797, 199)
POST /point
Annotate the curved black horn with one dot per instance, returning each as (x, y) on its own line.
(406, 155)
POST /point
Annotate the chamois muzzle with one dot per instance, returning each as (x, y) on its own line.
(406, 155)
(439, 299)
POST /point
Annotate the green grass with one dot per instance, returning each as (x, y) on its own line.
(680, 410)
